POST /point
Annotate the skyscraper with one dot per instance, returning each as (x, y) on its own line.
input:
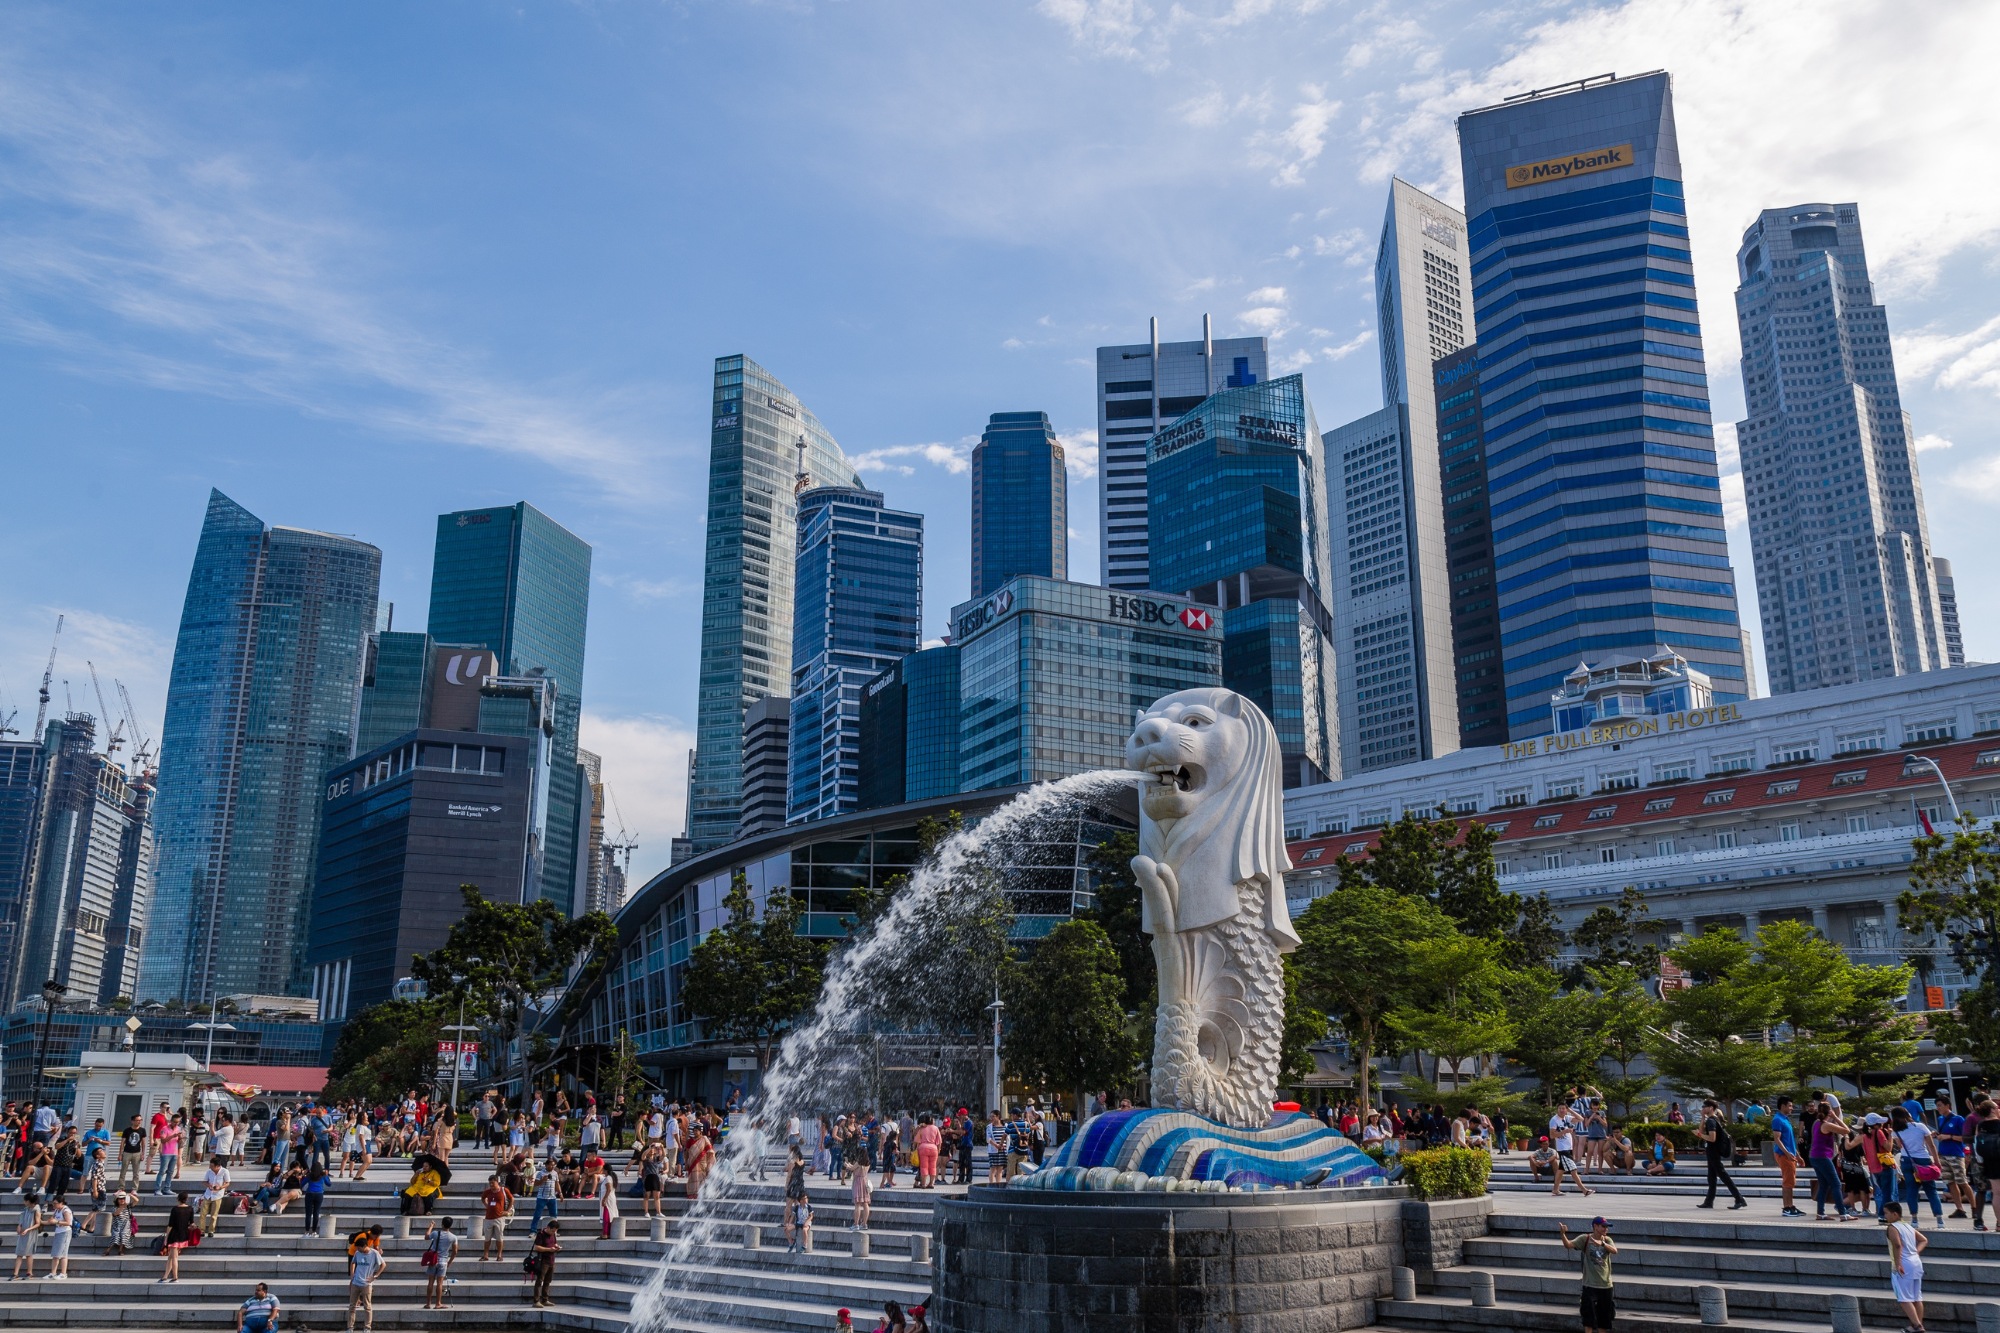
(1468, 533)
(1846, 581)
(20, 807)
(1141, 388)
(92, 865)
(517, 583)
(1392, 617)
(859, 596)
(260, 706)
(767, 742)
(1606, 498)
(756, 467)
(1237, 509)
(909, 730)
(1020, 502)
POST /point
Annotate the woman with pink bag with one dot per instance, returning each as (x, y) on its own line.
(1920, 1168)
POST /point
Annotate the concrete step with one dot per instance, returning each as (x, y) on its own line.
(1749, 1302)
(1457, 1315)
(1944, 1273)
(1747, 1231)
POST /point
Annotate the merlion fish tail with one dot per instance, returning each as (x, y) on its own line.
(1217, 1040)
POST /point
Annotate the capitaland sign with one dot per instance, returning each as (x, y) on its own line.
(1562, 168)
(1622, 729)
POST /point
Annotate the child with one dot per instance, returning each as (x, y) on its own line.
(124, 1229)
(26, 1227)
(60, 1223)
(843, 1322)
(798, 1226)
(1906, 1278)
(862, 1197)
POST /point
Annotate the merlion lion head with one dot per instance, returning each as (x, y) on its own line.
(1215, 784)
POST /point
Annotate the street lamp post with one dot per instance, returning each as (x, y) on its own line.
(997, 1006)
(132, 1026)
(1950, 1087)
(52, 993)
(213, 1027)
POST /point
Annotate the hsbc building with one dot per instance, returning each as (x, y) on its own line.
(1050, 673)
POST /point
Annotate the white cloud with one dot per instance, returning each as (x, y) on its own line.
(1013, 344)
(1268, 320)
(951, 457)
(1109, 27)
(1293, 361)
(121, 650)
(221, 273)
(1926, 443)
(649, 590)
(645, 768)
(1953, 360)
(1199, 285)
(1079, 453)
(1350, 347)
(1267, 296)
(1299, 144)
(1982, 479)
(1351, 243)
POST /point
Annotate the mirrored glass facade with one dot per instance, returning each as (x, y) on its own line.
(1020, 509)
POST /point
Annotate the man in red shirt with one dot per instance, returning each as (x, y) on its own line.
(153, 1143)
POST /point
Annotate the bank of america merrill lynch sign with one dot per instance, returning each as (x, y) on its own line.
(1621, 729)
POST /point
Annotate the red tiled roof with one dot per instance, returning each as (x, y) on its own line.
(1879, 770)
(274, 1078)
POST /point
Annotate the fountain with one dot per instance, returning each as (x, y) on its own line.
(1206, 1211)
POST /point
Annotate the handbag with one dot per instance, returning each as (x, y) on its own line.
(1928, 1171)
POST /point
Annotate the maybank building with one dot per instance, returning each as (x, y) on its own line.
(1606, 503)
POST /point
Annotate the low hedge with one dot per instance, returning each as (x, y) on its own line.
(1681, 1136)
(1446, 1173)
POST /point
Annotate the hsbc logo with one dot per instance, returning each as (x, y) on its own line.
(988, 611)
(1158, 613)
(468, 673)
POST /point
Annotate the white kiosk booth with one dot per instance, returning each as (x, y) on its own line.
(118, 1085)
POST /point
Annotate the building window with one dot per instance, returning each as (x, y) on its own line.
(1465, 805)
(1987, 759)
(1931, 731)
(1782, 788)
(1355, 849)
(1552, 861)
(1723, 797)
(1656, 805)
(1984, 724)
(1499, 867)
(1680, 772)
(1564, 791)
(1725, 839)
(1547, 821)
(1853, 777)
(1601, 812)
(1499, 826)
(1795, 752)
(1332, 826)
(1508, 798)
(1861, 742)
(1607, 854)
(1788, 833)
(1664, 847)
(1735, 763)
(1621, 781)
(1295, 833)
(1857, 823)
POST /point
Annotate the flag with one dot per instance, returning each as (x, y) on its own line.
(1923, 817)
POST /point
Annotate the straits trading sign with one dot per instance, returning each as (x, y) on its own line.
(1622, 729)
(1562, 168)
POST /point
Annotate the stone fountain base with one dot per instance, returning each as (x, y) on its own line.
(1282, 1261)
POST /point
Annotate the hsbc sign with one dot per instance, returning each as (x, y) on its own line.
(988, 611)
(1147, 612)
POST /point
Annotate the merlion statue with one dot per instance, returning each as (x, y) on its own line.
(1211, 869)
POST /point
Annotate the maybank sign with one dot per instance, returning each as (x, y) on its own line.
(1622, 729)
(1562, 168)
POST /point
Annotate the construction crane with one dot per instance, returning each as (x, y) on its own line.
(142, 746)
(114, 734)
(48, 673)
(624, 842)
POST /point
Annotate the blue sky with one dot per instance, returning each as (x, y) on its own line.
(361, 264)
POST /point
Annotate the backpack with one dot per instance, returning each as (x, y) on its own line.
(1724, 1144)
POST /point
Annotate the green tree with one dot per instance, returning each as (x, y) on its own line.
(1357, 959)
(1874, 1032)
(1955, 892)
(750, 979)
(1556, 1032)
(1118, 910)
(1305, 1027)
(1811, 982)
(1972, 1029)
(1610, 935)
(1625, 1017)
(1536, 936)
(1066, 1014)
(387, 1049)
(1433, 859)
(501, 957)
(1456, 1008)
(1710, 1039)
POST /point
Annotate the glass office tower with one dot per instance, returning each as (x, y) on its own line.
(517, 583)
(1468, 531)
(909, 730)
(1142, 387)
(1237, 511)
(260, 705)
(860, 594)
(21, 768)
(1606, 501)
(1050, 675)
(1845, 576)
(1020, 505)
(764, 446)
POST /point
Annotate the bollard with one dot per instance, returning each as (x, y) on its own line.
(329, 1225)
(618, 1228)
(1405, 1283)
(1482, 1289)
(1714, 1305)
(859, 1249)
(1847, 1312)
(477, 1228)
(1986, 1317)
(920, 1248)
(660, 1227)
(753, 1236)
(253, 1229)
(403, 1226)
